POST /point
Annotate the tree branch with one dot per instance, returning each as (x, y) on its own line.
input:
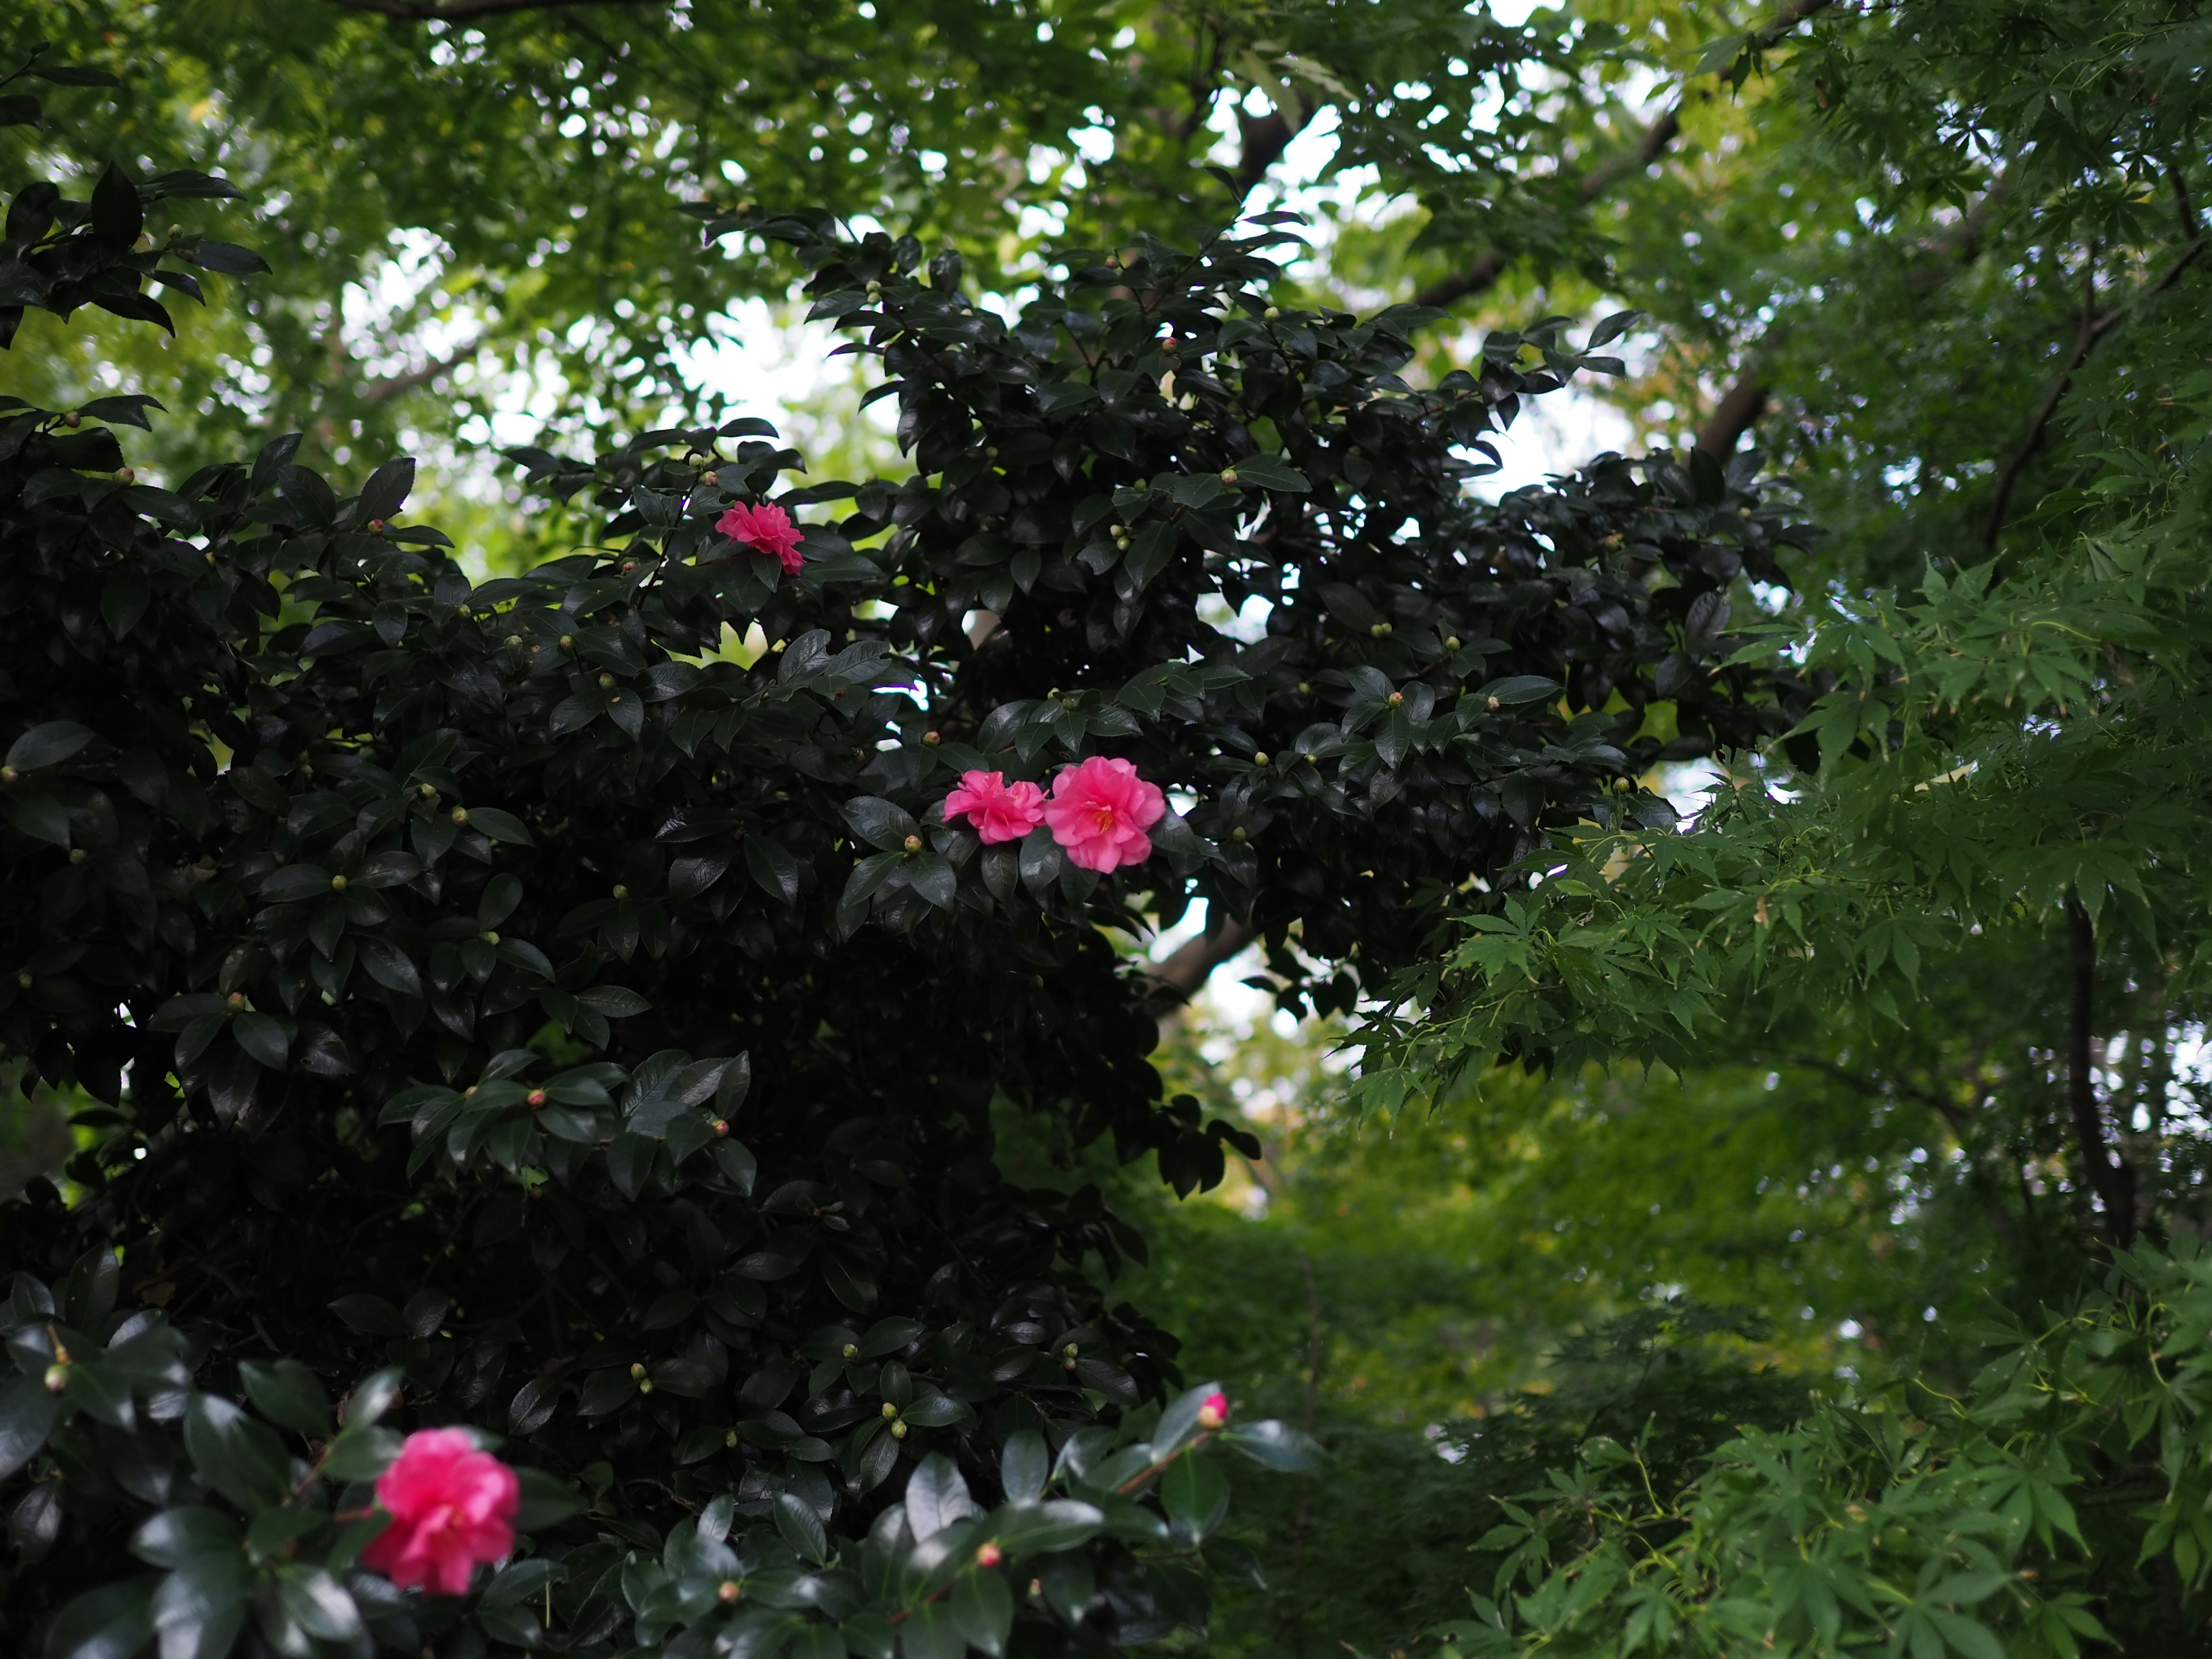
(1490, 265)
(2093, 328)
(1736, 413)
(461, 11)
(1188, 966)
(2110, 1176)
(383, 391)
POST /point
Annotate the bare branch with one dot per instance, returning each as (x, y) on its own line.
(461, 11)
(2093, 328)
(1736, 413)
(2109, 1175)
(379, 391)
(1489, 265)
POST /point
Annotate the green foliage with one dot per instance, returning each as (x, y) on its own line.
(2057, 1499)
(484, 987)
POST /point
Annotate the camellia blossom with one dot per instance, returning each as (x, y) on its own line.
(766, 529)
(1213, 1410)
(450, 1505)
(1099, 811)
(999, 810)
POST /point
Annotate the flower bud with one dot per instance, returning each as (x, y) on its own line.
(1239, 833)
(637, 1372)
(621, 891)
(23, 978)
(427, 791)
(72, 419)
(460, 815)
(913, 844)
(987, 1554)
(1272, 313)
(337, 884)
(1260, 758)
(932, 738)
(721, 1126)
(730, 1440)
(56, 1378)
(568, 641)
(1070, 1351)
(898, 1430)
(1213, 1412)
(489, 937)
(9, 775)
(1397, 699)
(535, 1099)
(376, 526)
(628, 565)
(606, 682)
(890, 1411)
(709, 479)
(125, 475)
(77, 855)
(730, 1590)
(235, 1001)
(1381, 630)
(1452, 643)
(1495, 705)
(645, 1385)
(1229, 475)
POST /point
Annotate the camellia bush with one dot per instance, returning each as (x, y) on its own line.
(539, 1062)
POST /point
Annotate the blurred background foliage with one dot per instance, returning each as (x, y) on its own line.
(1860, 237)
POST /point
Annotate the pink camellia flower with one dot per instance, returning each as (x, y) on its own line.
(1213, 1410)
(1099, 811)
(450, 1505)
(999, 810)
(765, 530)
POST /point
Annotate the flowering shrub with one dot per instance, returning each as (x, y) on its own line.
(493, 991)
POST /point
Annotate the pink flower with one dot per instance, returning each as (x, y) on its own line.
(999, 810)
(1213, 1410)
(765, 530)
(450, 1505)
(1099, 811)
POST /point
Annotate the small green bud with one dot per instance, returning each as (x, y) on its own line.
(337, 884)
(621, 891)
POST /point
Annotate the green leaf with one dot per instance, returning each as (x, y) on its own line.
(1265, 472)
(500, 826)
(984, 1609)
(547, 1500)
(174, 1536)
(1276, 1445)
(286, 1392)
(237, 1456)
(802, 1529)
(49, 744)
(370, 1315)
(263, 1037)
(1195, 1496)
(28, 1415)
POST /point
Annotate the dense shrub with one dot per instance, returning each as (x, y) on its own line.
(521, 1005)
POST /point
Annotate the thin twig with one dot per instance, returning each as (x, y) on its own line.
(1490, 265)
(2093, 328)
